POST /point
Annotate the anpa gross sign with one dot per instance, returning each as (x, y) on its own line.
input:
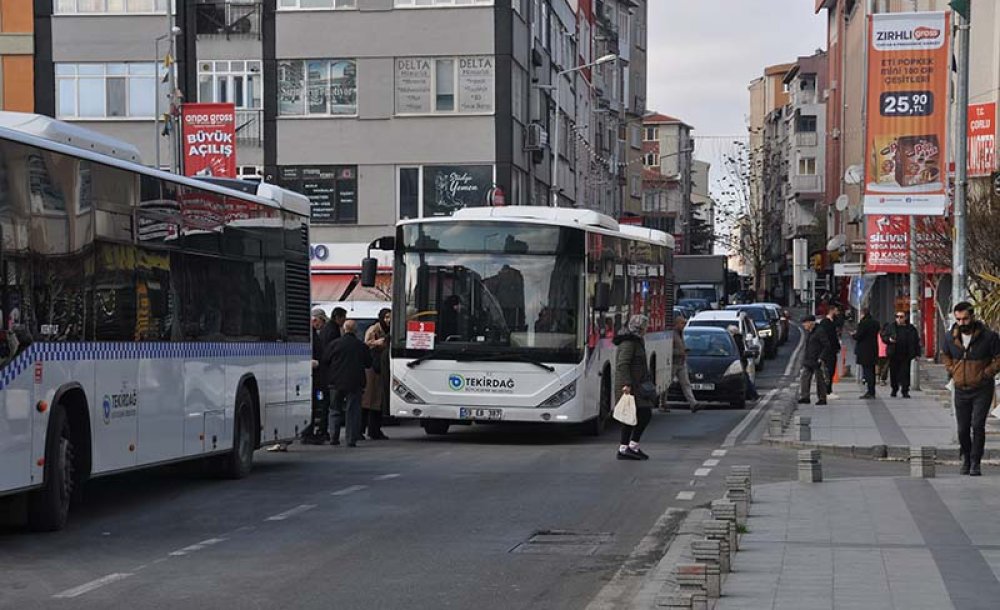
(208, 135)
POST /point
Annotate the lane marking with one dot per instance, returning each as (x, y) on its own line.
(702, 472)
(719, 453)
(196, 547)
(291, 512)
(386, 477)
(349, 490)
(685, 495)
(750, 418)
(90, 586)
(711, 463)
(795, 354)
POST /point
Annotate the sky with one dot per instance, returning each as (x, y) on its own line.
(704, 53)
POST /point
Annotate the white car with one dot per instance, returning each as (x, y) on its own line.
(728, 317)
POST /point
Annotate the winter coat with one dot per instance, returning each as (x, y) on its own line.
(973, 368)
(829, 327)
(346, 360)
(631, 367)
(320, 341)
(902, 341)
(376, 384)
(866, 341)
(817, 346)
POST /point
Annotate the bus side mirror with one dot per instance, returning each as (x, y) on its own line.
(602, 297)
(369, 270)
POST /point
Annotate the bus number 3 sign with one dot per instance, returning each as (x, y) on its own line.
(420, 335)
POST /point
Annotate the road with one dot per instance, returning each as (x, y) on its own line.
(414, 522)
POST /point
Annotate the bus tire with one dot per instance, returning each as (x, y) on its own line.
(237, 463)
(436, 428)
(48, 507)
(597, 426)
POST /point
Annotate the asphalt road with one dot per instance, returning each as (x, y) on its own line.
(413, 522)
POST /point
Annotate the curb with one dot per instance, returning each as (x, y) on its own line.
(876, 452)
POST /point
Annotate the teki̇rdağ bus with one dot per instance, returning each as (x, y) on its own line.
(508, 314)
(147, 318)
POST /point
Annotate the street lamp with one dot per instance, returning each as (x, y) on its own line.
(555, 132)
(172, 35)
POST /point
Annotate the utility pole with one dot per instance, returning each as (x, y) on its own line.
(959, 291)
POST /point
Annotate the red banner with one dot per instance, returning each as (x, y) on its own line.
(889, 244)
(209, 139)
(982, 139)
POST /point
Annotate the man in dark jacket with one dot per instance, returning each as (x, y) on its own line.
(316, 433)
(346, 360)
(972, 357)
(866, 349)
(817, 345)
(902, 345)
(830, 326)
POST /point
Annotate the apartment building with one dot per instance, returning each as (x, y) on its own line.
(667, 177)
(17, 46)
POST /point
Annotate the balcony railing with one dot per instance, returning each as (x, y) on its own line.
(807, 184)
(806, 138)
(228, 19)
(249, 125)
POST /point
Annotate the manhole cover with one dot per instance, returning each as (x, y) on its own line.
(563, 542)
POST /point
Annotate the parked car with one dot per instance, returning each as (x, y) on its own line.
(774, 314)
(767, 327)
(726, 318)
(784, 321)
(684, 310)
(715, 368)
(698, 305)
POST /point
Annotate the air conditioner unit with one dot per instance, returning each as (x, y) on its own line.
(537, 138)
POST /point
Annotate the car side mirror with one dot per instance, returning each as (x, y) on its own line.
(369, 271)
(602, 297)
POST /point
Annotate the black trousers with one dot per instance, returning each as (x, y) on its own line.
(830, 362)
(372, 422)
(320, 413)
(971, 409)
(634, 433)
(899, 374)
(868, 371)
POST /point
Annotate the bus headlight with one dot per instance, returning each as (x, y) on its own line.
(405, 393)
(560, 398)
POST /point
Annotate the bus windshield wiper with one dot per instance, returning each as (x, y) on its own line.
(433, 354)
(510, 358)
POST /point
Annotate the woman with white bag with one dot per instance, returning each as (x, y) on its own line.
(636, 387)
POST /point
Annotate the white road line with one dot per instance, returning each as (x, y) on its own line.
(386, 477)
(710, 463)
(291, 513)
(196, 547)
(795, 354)
(719, 453)
(349, 490)
(702, 472)
(749, 419)
(685, 495)
(90, 586)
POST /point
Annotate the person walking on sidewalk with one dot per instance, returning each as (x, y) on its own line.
(866, 349)
(347, 359)
(882, 367)
(830, 326)
(902, 345)
(680, 369)
(972, 358)
(631, 374)
(817, 344)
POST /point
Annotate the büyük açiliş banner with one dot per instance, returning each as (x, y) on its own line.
(907, 104)
(208, 133)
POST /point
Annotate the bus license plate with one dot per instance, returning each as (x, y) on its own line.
(702, 386)
(482, 414)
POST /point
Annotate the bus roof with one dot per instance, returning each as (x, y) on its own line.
(66, 138)
(566, 217)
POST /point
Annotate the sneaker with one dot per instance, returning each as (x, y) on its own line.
(803, 401)
(278, 447)
(627, 455)
(906, 394)
(638, 452)
(820, 403)
(831, 396)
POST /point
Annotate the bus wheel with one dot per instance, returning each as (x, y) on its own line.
(436, 428)
(599, 424)
(48, 507)
(239, 461)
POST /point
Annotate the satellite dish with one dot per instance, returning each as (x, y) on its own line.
(836, 243)
(842, 202)
(854, 174)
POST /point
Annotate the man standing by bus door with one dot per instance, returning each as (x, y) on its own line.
(346, 361)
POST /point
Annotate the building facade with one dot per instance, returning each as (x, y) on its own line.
(17, 47)
(667, 177)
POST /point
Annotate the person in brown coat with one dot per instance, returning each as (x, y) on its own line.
(376, 399)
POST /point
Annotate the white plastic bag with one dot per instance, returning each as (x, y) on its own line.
(625, 410)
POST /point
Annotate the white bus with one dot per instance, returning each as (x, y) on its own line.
(146, 318)
(509, 314)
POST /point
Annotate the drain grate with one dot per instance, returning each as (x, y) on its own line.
(563, 542)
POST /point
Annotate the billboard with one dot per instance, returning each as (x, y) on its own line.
(908, 63)
(888, 244)
(208, 133)
(982, 139)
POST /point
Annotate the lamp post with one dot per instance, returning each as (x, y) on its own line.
(172, 35)
(555, 132)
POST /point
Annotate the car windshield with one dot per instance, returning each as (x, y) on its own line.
(715, 323)
(712, 344)
(757, 314)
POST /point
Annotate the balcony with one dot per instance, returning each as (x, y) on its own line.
(228, 19)
(807, 184)
(249, 124)
(806, 138)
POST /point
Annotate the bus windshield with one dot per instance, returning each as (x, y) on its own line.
(491, 288)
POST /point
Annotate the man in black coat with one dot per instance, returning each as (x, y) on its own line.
(866, 349)
(902, 345)
(346, 360)
(831, 327)
(817, 344)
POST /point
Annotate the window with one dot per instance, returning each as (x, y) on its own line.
(317, 4)
(517, 93)
(106, 90)
(318, 87)
(806, 123)
(652, 134)
(636, 185)
(331, 189)
(434, 3)
(651, 160)
(636, 132)
(110, 6)
(441, 190)
(238, 82)
(807, 166)
(444, 85)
